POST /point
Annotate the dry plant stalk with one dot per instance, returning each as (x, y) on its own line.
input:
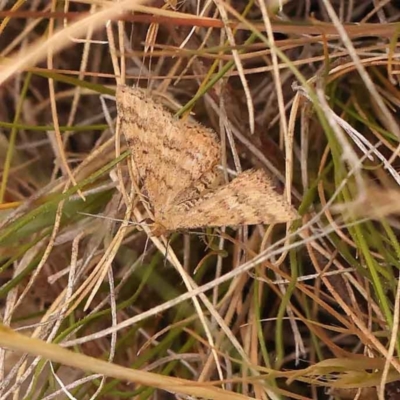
(177, 163)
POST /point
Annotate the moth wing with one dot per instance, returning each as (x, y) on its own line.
(170, 154)
(249, 199)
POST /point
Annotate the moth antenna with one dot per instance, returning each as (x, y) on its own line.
(140, 223)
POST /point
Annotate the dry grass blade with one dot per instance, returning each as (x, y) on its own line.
(55, 353)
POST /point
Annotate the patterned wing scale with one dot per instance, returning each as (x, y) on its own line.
(170, 154)
(248, 200)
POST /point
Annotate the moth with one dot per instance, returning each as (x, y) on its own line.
(177, 165)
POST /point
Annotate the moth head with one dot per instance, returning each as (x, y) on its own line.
(157, 229)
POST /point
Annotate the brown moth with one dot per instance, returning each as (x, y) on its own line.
(177, 164)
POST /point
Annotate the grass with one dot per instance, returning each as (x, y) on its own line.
(94, 307)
